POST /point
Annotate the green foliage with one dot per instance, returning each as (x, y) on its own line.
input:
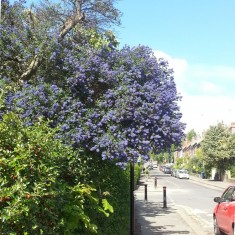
(113, 183)
(216, 146)
(196, 163)
(137, 172)
(164, 157)
(98, 40)
(190, 135)
(161, 157)
(232, 171)
(179, 163)
(231, 146)
(40, 190)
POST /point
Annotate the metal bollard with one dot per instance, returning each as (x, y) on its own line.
(145, 192)
(164, 197)
(155, 182)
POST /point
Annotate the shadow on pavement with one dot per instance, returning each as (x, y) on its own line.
(150, 212)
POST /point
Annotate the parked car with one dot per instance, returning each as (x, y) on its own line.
(182, 174)
(162, 168)
(224, 212)
(173, 172)
(167, 170)
(155, 165)
(150, 166)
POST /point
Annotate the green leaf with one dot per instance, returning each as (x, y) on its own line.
(107, 206)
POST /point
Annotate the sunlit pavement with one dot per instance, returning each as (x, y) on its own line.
(154, 217)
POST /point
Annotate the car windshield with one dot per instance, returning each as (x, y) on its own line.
(227, 195)
(183, 171)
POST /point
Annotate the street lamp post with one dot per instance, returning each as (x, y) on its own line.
(0, 10)
(132, 202)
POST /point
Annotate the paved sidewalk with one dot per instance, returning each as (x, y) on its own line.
(210, 183)
(152, 218)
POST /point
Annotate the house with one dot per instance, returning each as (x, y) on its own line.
(189, 147)
(232, 127)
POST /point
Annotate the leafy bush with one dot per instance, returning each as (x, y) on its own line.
(232, 171)
(113, 182)
(137, 173)
(40, 190)
(195, 165)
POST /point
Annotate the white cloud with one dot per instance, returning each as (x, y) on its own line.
(199, 112)
(208, 92)
(213, 72)
(210, 88)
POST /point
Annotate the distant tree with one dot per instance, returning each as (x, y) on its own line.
(190, 135)
(196, 162)
(162, 157)
(215, 146)
(179, 163)
(231, 146)
(231, 149)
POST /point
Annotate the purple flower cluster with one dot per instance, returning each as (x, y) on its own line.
(118, 104)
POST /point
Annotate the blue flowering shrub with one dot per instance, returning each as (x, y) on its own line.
(117, 104)
(109, 106)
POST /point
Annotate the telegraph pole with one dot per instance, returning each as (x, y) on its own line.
(132, 198)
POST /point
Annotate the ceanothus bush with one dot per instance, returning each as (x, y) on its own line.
(106, 103)
(119, 104)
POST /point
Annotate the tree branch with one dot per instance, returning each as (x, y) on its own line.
(32, 68)
(70, 23)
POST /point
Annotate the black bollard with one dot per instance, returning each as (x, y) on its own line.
(164, 197)
(145, 192)
(155, 182)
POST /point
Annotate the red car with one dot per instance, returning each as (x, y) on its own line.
(224, 212)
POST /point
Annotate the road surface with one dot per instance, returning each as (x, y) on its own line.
(195, 199)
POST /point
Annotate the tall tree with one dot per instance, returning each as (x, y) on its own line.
(29, 37)
(116, 103)
(191, 134)
(215, 146)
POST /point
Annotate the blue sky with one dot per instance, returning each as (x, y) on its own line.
(197, 37)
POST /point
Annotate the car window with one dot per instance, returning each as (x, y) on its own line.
(228, 194)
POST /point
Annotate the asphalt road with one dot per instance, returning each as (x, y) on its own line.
(196, 199)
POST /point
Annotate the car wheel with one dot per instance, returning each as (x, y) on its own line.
(216, 228)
